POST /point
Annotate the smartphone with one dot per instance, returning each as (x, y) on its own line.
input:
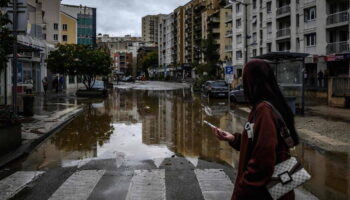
(209, 124)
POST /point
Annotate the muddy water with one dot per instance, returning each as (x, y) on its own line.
(142, 125)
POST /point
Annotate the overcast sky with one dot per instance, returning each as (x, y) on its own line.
(121, 17)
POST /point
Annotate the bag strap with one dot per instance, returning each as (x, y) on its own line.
(284, 131)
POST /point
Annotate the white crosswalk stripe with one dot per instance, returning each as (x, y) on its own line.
(193, 160)
(14, 183)
(78, 186)
(147, 185)
(214, 183)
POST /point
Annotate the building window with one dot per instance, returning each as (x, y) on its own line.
(298, 18)
(269, 7)
(44, 36)
(269, 47)
(310, 39)
(239, 39)
(238, 8)
(55, 26)
(254, 52)
(269, 28)
(64, 27)
(238, 23)
(254, 4)
(254, 38)
(55, 37)
(64, 38)
(239, 55)
(310, 14)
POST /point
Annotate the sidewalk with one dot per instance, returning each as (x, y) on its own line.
(51, 112)
(323, 127)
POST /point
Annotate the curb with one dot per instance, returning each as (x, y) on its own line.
(26, 149)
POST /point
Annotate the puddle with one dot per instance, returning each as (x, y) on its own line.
(134, 126)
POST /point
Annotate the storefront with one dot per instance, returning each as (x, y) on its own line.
(338, 65)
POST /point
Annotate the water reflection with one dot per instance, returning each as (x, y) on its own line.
(143, 125)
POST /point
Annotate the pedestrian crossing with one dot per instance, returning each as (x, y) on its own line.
(150, 184)
(144, 184)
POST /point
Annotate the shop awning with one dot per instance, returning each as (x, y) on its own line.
(282, 55)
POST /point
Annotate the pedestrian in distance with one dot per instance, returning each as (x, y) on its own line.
(45, 84)
(29, 85)
(261, 146)
(320, 78)
(61, 83)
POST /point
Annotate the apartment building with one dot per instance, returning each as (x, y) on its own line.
(122, 48)
(178, 35)
(166, 44)
(319, 28)
(51, 19)
(86, 18)
(68, 28)
(150, 24)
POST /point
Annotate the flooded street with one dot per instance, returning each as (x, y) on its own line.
(133, 126)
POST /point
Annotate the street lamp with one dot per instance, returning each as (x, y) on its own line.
(245, 27)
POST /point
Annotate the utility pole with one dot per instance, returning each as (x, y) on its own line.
(15, 10)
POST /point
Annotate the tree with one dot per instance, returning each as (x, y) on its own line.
(149, 60)
(211, 56)
(81, 60)
(6, 39)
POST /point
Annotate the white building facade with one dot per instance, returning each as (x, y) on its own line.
(166, 44)
(317, 27)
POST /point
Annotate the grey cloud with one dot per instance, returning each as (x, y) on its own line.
(120, 17)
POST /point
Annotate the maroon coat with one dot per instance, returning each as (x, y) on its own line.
(259, 156)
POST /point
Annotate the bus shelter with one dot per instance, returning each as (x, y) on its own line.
(289, 70)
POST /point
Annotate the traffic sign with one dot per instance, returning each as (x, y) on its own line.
(228, 69)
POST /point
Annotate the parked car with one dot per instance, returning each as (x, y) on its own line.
(237, 94)
(98, 85)
(215, 88)
(128, 79)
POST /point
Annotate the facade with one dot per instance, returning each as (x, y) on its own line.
(32, 48)
(120, 47)
(319, 28)
(51, 20)
(68, 29)
(86, 18)
(150, 24)
(166, 44)
(179, 35)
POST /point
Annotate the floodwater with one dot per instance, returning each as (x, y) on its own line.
(143, 125)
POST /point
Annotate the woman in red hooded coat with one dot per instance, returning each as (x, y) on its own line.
(262, 147)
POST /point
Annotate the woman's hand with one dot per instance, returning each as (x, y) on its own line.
(223, 135)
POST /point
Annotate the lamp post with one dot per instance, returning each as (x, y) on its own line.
(245, 28)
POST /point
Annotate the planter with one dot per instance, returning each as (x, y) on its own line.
(10, 138)
(92, 93)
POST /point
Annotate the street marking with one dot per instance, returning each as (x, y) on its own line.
(214, 183)
(78, 186)
(193, 160)
(158, 161)
(14, 183)
(147, 185)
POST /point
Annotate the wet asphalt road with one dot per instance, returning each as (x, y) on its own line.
(135, 144)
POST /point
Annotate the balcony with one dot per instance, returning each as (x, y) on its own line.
(215, 19)
(228, 48)
(283, 11)
(338, 19)
(228, 34)
(228, 19)
(337, 47)
(310, 25)
(283, 33)
(309, 3)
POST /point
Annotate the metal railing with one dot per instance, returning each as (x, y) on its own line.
(228, 47)
(338, 18)
(228, 33)
(341, 86)
(283, 32)
(337, 47)
(283, 10)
